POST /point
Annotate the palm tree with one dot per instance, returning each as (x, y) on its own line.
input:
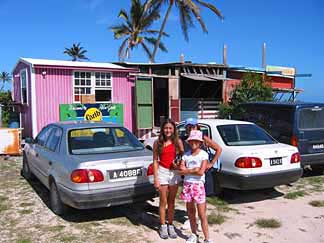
(136, 29)
(76, 52)
(5, 78)
(188, 10)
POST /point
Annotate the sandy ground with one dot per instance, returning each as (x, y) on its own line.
(25, 216)
(300, 222)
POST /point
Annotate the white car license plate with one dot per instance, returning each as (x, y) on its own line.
(276, 161)
(318, 146)
(125, 173)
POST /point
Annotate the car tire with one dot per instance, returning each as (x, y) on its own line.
(25, 171)
(56, 204)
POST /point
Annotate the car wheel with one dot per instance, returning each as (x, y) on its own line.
(56, 205)
(25, 171)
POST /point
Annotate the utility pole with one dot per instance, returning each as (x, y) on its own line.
(264, 65)
(225, 54)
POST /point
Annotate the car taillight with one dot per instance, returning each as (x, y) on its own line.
(86, 176)
(248, 162)
(150, 170)
(294, 141)
(295, 158)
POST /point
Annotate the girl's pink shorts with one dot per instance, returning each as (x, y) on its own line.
(193, 192)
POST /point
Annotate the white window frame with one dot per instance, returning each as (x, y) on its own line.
(21, 88)
(103, 87)
(81, 86)
(93, 86)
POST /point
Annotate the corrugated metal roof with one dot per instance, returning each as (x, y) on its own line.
(48, 62)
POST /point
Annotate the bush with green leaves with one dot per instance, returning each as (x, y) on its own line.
(253, 87)
(5, 101)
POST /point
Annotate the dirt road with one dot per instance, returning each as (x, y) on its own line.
(285, 214)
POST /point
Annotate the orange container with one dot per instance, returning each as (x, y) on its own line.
(10, 141)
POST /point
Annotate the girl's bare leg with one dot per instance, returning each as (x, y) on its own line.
(163, 202)
(191, 209)
(203, 219)
(171, 201)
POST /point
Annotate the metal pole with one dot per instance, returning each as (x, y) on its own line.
(225, 55)
(264, 56)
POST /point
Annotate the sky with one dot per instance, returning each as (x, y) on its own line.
(292, 30)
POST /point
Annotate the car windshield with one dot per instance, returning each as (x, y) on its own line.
(311, 118)
(102, 140)
(244, 135)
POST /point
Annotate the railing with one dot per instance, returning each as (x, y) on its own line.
(200, 108)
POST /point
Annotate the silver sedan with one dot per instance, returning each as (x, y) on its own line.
(88, 165)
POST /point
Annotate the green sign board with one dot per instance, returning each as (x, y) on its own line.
(92, 112)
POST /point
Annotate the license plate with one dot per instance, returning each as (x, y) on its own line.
(276, 161)
(125, 173)
(318, 146)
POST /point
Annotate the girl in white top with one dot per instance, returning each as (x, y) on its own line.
(193, 166)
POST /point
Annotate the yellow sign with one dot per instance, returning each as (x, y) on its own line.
(282, 70)
(88, 132)
(119, 133)
(82, 133)
(93, 114)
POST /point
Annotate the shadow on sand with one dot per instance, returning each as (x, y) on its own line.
(237, 197)
(137, 213)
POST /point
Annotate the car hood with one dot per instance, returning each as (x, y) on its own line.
(114, 155)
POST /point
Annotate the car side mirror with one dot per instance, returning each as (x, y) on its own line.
(29, 140)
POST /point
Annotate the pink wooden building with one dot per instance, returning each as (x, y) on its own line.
(41, 85)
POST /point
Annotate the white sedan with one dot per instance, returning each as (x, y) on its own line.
(250, 158)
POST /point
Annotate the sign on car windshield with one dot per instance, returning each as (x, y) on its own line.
(102, 140)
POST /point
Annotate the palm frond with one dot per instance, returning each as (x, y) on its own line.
(155, 32)
(190, 5)
(200, 20)
(123, 14)
(121, 49)
(212, 8)
(151, 15)
(120, 31)
(147, 50)
(185, 19)
(136, 12)
(153, 42)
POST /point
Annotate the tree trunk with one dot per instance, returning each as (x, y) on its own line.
(156, 46)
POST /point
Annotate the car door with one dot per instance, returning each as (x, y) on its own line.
(40, 156)
(50, 155)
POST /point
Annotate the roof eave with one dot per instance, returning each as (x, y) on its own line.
(128, 70)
